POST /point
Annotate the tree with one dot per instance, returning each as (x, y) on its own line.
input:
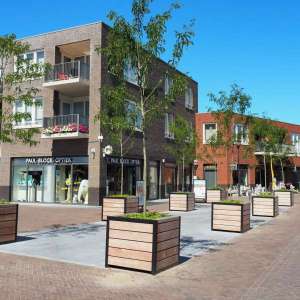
(15, 71)
(117, 120)
(183, 147)
(272, 141)
(136, 45)
(229, 110)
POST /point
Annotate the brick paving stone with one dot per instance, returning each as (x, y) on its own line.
(261, 264)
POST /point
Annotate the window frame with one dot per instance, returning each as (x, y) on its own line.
(136, 128)
(244, 140)
(189, 98)
(205, 141)
(168, 134)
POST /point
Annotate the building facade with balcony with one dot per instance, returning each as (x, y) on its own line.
(67, 165)
(220, 167)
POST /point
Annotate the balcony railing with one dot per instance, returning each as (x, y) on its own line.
(288, 150)
(68, 71)
(65, 126)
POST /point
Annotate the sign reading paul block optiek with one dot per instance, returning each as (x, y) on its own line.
(48, 160)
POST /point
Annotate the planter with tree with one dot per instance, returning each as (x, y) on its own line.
(215, 194)
(182, 147)
(230, 215)
(285, 197)
(146, 242)
(265, 205)
(8, 221)
(136, 46)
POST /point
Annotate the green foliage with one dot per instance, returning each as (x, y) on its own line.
(232, 201)
(218, 188)
(120, 196)
(147, 215)
(138, 43)
(266, 194)
(4, 202)
(13, 88)
(229, 110)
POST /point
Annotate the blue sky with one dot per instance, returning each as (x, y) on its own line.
(253, 43)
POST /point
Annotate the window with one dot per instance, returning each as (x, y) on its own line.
(33, 57)
(241, 134)
(35, 110)
(169, 121)
(189, 98)
(209, 132)
(296, 141)
(130, 73)
(133, 110)
(168, 84)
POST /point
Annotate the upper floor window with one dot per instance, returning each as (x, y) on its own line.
(209, 132)
(134, 114)
(241, 134)
(169, 121)
(35, 110)
(168, 84)
(34, 57)
(189, 98)
(130, 73)
(296, 141)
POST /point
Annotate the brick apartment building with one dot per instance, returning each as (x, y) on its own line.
(219, 167)
(54, 169)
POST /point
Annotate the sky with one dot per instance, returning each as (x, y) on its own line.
(253, 43)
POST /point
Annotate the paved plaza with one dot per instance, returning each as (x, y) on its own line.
(260, 264)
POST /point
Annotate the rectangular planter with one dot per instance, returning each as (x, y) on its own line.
(285, 198)
(264, 206)
(182, 201)
(230, 217)
(215, 195)
(115, 206)
(8, 222)
(143, 245)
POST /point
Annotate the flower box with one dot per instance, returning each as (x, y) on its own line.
(143, 245)
(117, 206)
(215, 195)
(285, 198)
(182, 201)
(8, 222)
(230, 217)
(264, 206)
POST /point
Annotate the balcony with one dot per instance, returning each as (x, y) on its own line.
(288, 150)
(71, 78)
(65, 127)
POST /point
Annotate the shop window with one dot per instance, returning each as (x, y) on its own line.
(209, 132)
(243, 171)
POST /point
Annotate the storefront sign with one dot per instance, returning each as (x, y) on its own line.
(140, 191)
(125, 161)
(199, 188)
(48, 160)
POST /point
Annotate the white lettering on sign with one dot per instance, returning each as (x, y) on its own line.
(48, 160)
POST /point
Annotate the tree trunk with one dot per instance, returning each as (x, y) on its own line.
(177, 179)
(282, 171)
(122, 165)
(182, 188)
(272, 173)
(265, 172)
(145, 171)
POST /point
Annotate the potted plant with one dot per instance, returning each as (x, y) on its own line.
(265, 205)
(148, 242)
(181, 201)
(215, 194)
(230, 215)
(8, 221)
(117, 205)
(285, 197)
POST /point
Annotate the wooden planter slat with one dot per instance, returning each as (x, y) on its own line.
(145, 245)
(230, 217)
(215, 196)
(285, 198)
(8, 222)
(264, 206)
(181, 202)
(119, 206)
